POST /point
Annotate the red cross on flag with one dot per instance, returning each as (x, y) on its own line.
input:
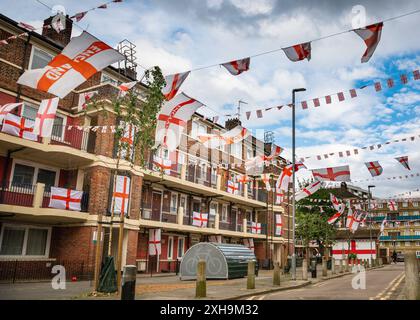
(19, 127)
(358, 218)
(121, 195)
(298, 52)
(249, 243)
(84, 99)
(371, 35)
(404, 161)
(337, 204)
(172, 119)
(279, 196)
(309, 190)
(334, 218)
(6, 108)
(232, 187)
(362, 248)
(341, 173)
(256, 227)
(125, 87)
(161, 164)
(392, 205)
(254, 166)
(127, 140)
(284, 179)
(200, 219)
(374, 168)
(238, 66)
(350, 216)
(154, 242)
(67, 199)
(216, 239)
(45, 116)
(265, 177)
(233, 136)
(279, 225)
(173, 83)
(242, 178)
(275, 152)
(83, 57)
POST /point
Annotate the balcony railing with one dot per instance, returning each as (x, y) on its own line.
(17, 194)
(399, 238)
(74, 138)
(84, 203)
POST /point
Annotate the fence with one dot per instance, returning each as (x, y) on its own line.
(12, 271)
(73, 137)
(17, 194)
(151, 266)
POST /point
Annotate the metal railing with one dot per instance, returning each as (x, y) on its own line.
(73, 137)
(17, 194)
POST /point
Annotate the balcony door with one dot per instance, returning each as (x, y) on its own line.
(156, 205)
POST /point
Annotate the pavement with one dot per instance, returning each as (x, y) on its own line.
(169, 287)
(384, 283)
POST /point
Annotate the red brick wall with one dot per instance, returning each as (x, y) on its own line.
(136, 195)
(97, 181)
(132, 247)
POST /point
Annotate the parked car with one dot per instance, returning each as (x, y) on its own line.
(400, 257)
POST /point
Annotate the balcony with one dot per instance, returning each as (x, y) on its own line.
(73, 137)
(30, 203)
(400, 238)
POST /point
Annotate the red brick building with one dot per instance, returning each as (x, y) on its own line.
(38, 237)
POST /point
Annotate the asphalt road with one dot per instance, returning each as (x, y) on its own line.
(384, 283)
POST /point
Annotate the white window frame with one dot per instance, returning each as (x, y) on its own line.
(405, 204)
(176, 203)
(170, 253)
(107, 81)
(25, 241)
(224, 218)
(415, 203)
(36, 166)
(31, 58)
(184, 196)
(183, 247)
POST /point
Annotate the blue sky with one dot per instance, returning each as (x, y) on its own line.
(183, 35)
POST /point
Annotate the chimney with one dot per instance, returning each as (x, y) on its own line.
(232, 123)
(63, 37)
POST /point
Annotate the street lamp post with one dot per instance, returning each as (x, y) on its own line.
(370, 220)
(293, 179)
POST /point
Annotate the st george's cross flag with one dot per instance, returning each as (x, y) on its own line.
(350, 215)
(6, 108)
(232, 187)
(249, 243)
(236, 67)
(298, 52)
(284, 178)
(254, 166)
(279, 225)
(83, 57)
(19, 127)
(334, 218)
(279, 195)
(265, 178)
(309, 190)
(256, 227)
(358, 217)
(126, 147)
(371, 35)
(200, 219)
(125, 87)
(84, 99)
(213, 141)
(383, 226)
(404, 161)
(392, 205)
(155, 236)
(337, 205)
(173, 83)
(121, 195)
(45, 116)
(242, 178)
(275, 152)
(66, 199)
(341, 173)
(172, 120)
(161, 164)
(374, 168)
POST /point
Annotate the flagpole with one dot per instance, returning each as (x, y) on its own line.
(370, 220)
(293, 179)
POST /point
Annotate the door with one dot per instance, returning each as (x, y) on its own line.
(156, 205)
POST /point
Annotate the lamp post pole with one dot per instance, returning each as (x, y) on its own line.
(293, 179)
(370, 220)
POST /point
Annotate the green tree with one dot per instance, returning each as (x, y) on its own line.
(311, 223)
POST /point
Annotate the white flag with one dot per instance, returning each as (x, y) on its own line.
(45, 116)
(173, 83)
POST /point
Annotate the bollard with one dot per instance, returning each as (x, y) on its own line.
(250, 283)
(346, 265)
(412, 280)
(332, 265)
(313, 268)
(128, 283)
(324, 266)
(304, 269)
(200, 285)
(276, 274)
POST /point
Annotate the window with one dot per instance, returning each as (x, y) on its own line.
(249, 153)
(39, 58)
(236, 150)
(214, 174)
(202, 173)
(405, 204)
(181, 247)
(224, 213)
(380, 205)
(407, 223)
(29, 111)
(105, 78)
(213, 208)
(407, 243)
(174, 202)
(197, 129)
(27, 175)
(405, 213)
(183, 204)
(415, 204)
(417, 233)
(24, 241)
(170, 248)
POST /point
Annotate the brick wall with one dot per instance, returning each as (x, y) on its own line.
(132, 247)
(97, 181)
(136, 195)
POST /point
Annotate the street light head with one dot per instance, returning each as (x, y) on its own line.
(371, 187)
(299, 89)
